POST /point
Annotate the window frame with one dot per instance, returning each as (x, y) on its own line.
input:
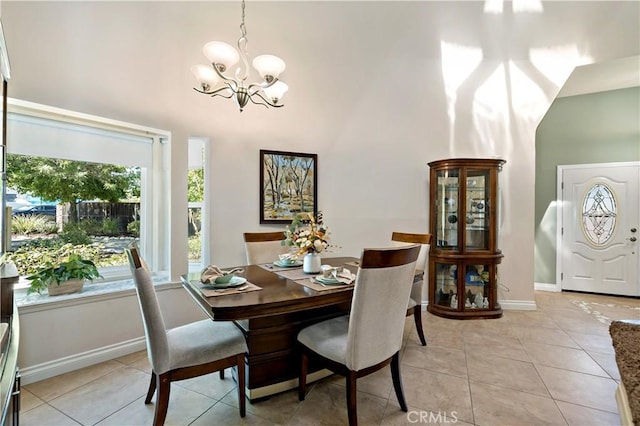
(154, 180)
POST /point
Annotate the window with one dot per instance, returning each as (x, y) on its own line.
(197, 188)
(195, 193)
(45, 132)
(97, 230)
(599, 214)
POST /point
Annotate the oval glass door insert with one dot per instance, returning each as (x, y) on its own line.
(599, 214)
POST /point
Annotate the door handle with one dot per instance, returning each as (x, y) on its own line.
(633, 239)
(633, 229)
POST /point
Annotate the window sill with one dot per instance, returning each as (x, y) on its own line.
(91, 292)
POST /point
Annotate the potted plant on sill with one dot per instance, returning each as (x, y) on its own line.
(64, 278)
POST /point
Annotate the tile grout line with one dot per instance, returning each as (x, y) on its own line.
(29, 387)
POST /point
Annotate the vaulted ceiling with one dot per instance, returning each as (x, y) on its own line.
(131, 60)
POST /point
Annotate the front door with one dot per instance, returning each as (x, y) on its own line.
(600, 213)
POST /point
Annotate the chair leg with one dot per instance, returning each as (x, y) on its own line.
(302, 379)
(397, 381)
(152, 388)
(241, 386)
(162, 402)
(352, 399)
(222, 374)
(417, 317)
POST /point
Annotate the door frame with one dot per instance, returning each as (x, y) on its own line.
(559, 210)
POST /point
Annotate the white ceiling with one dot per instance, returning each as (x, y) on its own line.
(603, 76)
(130, 60)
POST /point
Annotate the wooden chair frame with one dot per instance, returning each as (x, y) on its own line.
(162, 382)
(261, 237)
(375, 259)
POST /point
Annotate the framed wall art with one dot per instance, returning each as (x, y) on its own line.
(288, 185)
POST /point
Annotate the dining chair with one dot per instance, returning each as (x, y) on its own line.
(370, 337)
(183, 352)
(399, 239)
(264, 247)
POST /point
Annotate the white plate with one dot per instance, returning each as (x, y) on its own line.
(234, 282)
(288, 265)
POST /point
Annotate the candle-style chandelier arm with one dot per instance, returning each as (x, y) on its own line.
(256, 87)
(266, 102)
(230, 81)
(218, 92)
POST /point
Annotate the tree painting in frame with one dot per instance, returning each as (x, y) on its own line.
(288, 185)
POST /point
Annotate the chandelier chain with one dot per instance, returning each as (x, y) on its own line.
(243, 29)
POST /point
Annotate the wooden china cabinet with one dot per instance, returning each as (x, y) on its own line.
(464, 257)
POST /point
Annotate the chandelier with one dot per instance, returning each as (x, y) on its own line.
(213, 81)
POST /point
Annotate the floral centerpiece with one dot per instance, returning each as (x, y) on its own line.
(308, 237)
(307, 234)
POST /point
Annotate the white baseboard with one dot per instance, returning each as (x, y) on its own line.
(519, 305)
(75, 362)
(547, 287)
(514, 305)
(622, 400)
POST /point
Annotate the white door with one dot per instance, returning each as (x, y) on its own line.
(599, 230)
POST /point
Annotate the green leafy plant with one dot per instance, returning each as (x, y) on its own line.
(75, 234)
(30, 256)
(37, 224)
(110, 226)
(90, 226)
(133, 228)
(75, 267)
(195, 247)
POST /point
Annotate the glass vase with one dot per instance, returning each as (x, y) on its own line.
(311, 263)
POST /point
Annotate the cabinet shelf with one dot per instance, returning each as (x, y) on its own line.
(464, 259)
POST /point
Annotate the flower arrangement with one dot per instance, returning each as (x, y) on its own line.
(307, 234)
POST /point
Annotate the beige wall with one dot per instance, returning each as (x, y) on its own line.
(377, 90)
(63, 336)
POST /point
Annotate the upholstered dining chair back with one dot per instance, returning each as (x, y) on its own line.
(152, 320)
(264, 247)
(379, 306)
(400, 239)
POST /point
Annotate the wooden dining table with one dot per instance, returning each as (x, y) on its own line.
(271, 317)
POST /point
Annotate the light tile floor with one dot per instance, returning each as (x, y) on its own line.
(553, 366)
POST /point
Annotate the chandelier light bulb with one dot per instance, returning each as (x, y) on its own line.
(205, 75)
(219, 52)
(276, 91)
(269, 66)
